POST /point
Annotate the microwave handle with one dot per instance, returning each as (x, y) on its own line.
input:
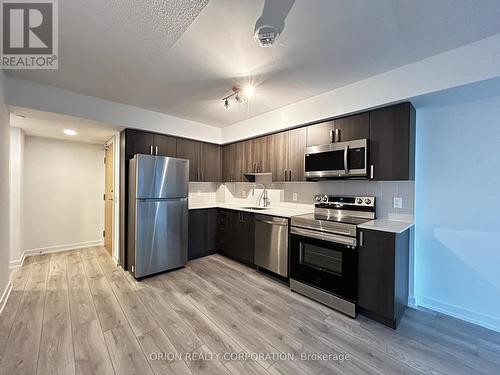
(346, 156)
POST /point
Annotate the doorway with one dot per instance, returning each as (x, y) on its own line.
(108, 198)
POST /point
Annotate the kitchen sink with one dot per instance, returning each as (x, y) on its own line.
(255, 208)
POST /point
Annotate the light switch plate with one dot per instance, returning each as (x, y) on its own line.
(295, 197)
(398, 202)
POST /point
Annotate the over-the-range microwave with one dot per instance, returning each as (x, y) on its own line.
(336, 160)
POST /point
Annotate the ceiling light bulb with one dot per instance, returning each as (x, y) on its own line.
(248, 91)
(226, 104)
(240, 99)
(70, 132)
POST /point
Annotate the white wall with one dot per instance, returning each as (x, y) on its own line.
(63, 194)
(16, 195)
(458, 210)
(28, 94)
(4, 194)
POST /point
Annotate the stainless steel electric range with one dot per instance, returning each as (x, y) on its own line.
(323, 250)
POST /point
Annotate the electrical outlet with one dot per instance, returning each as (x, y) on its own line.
(295, 197)
(397, 202)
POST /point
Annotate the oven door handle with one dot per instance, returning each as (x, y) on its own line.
(324, 236)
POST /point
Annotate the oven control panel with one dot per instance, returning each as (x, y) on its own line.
(334, 200)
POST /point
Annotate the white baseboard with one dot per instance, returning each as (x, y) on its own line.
(483, 320)
(13, 264)
(5, 295)
(412, 302)
(53, 249)
(115, 260)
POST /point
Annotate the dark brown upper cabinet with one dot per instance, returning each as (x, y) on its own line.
(190, 150)
(138, 142)
(320, 134)
(392, 143)
(277, 155)
(165, 145)
(287, 155)
(353, 127)
(261, 154)
(205, 159)
(350, 128)
(141, 142)
(229, 162)
(281, 154)
(295, 154)
(210, 162)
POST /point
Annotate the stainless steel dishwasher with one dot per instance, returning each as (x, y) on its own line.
(271, 244)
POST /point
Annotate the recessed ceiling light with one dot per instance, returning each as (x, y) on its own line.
(21, 116)
(70, 132)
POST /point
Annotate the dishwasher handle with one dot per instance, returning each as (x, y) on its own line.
(282, 222)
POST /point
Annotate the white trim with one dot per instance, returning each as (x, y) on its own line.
(412, 302)
(5, 296)
(58, 248)
(13, 264)
(483, 320)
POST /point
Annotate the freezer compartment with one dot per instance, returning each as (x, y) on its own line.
(158, 177)
(160, 236)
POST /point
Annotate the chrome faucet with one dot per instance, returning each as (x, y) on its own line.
(264, 197)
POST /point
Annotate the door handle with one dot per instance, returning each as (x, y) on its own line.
(281, 224)
(371, 171)
(151, 150)
(289, 175)
(156, 149)
(346, 155)
(361, 239)
(284, 174)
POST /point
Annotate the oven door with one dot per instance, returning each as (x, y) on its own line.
(324, 261)
(343, 159)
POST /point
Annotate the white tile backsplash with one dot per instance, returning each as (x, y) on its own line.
(281, 194)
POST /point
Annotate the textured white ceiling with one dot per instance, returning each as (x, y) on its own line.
(52, 125)
(181, 57)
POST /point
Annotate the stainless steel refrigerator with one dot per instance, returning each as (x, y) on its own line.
(158, 214)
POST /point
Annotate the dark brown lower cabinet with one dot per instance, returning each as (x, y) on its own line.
(383, 275)
(236, 235)
(202, 233)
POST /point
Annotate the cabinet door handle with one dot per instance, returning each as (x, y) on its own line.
(156, 150)
(284, 174)
(361, 239)
(151, 150)
(331, 136)
(289, 175)
(371, 171)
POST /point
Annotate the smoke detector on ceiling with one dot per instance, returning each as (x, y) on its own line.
(266, 35)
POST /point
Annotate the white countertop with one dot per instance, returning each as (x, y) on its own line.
(386, 225)
(272, 211)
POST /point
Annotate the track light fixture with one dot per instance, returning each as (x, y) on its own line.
(240, 95)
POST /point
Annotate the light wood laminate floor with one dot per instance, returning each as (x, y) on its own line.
(77, 313)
